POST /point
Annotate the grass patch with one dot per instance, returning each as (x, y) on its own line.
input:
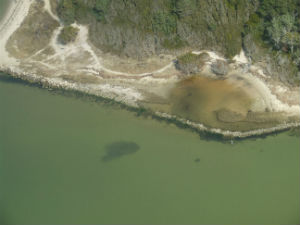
(188, 58)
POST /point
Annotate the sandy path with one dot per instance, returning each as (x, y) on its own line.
(82, 44)
(47, 7)
(16, 13)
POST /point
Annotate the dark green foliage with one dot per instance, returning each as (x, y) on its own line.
(268, 9)
(66, 11)
(175, 8)
(275, 25)
(100, 9)
(212, 27)
(68, 34)
(164, 23)
(174, 43)
(81, 10)
(174, 23)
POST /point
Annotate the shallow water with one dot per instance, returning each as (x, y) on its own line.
(53, 168)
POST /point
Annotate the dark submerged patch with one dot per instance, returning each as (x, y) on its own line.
(118, 149)
(197, 160)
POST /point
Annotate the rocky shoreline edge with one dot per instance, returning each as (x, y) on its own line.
(58, 84)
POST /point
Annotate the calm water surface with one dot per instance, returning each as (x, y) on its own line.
(68, 161)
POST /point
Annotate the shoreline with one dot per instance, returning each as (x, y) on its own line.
(128, 95)
(49, 83)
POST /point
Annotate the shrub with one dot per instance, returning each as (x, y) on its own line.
(174, 43)
(66, 11)
(68, 34)
(164, 23)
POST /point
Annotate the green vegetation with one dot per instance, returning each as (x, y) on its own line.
(68, 34)
(66, 11)
(276, 24)
(174, 43)
(188, 58)
(164, 23)
(174, 24)
(190, 63)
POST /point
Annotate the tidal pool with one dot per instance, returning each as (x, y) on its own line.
(52, 172)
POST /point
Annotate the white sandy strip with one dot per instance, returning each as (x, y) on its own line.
(241, 58)
(269, 99)
(83, 41)
(211, 54)
(168, 66)
(60, 51)
(126, 95)
(11, 22)
(155, 81)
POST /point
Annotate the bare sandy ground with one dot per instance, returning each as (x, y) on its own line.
(16, 13)
(81, 66)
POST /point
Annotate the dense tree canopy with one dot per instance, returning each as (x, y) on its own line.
(275, 22)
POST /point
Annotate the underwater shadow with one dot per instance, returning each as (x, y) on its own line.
(119, 149)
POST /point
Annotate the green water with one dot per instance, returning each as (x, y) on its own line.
(68, 161)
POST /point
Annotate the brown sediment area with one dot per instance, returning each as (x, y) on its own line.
(202, 99)
(217, 103)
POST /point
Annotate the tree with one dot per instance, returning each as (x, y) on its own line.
(283, 31)
(66, 11)
(275, 32)
(292, 39)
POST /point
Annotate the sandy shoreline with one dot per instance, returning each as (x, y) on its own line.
(59, 84)
(122, 86)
